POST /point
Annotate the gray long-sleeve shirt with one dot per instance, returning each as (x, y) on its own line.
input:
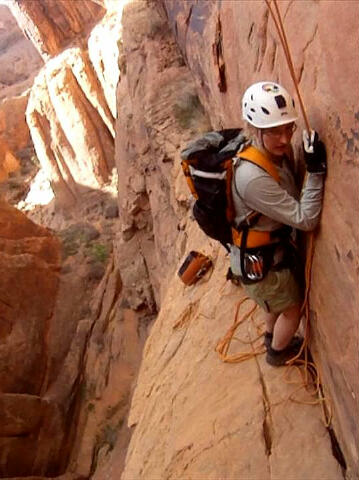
(280, 204)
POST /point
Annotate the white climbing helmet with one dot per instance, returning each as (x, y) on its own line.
(267, 104)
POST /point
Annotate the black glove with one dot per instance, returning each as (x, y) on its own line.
(315, 156)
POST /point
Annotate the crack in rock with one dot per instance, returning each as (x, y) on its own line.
(267, 420)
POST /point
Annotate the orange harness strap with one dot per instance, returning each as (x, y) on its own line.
(255, 156)
(256, 238)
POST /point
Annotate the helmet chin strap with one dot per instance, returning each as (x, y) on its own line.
(260, 133)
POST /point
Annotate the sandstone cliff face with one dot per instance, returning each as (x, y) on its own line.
(71, 122)
(196, 417)
(191, 415)
(229, 45)
(158, 109)
(13, 127)
(146, 146)
(53, 24)
(72, 141)
(29, 262)
(175, 434)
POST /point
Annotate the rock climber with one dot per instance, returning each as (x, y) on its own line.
(270, 115)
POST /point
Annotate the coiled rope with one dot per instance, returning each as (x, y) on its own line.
(223, 345)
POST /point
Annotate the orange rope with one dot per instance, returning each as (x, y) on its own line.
(283, 38)
(223, 345)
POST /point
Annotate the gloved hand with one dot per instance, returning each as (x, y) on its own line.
(315, 156)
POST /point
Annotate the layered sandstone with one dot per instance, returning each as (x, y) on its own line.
(71, 107)
(71, 125)
(129, 294)
(158, 109)
(54, 24)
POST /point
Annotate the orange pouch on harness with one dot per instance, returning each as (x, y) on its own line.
(255, 238)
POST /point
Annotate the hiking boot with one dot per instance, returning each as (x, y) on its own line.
(277, 358)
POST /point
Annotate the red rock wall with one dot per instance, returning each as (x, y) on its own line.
(54, 24)
(13, 126)
(229, 45)
(29, 263)
(158, 109)
(8, 162)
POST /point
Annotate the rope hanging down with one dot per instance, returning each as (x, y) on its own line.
(283, 38)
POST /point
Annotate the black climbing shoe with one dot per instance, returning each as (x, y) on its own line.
(277, 358)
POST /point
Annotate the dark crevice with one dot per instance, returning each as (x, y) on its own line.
(267, 434)
(189, 17)
(272, 57)
(310, 41)
(187, 22)
(249, 38)
(301, 73)
(267, 421)
(217, 50)
(263, 47)
(337, 451)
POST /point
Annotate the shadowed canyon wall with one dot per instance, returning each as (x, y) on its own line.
(30, 258)
(129, 92)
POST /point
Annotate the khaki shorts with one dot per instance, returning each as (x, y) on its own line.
(276, 292)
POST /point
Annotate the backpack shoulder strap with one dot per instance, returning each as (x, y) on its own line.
(255, 156)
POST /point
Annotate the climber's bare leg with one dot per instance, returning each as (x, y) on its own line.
(285, 327)
(270, 319)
